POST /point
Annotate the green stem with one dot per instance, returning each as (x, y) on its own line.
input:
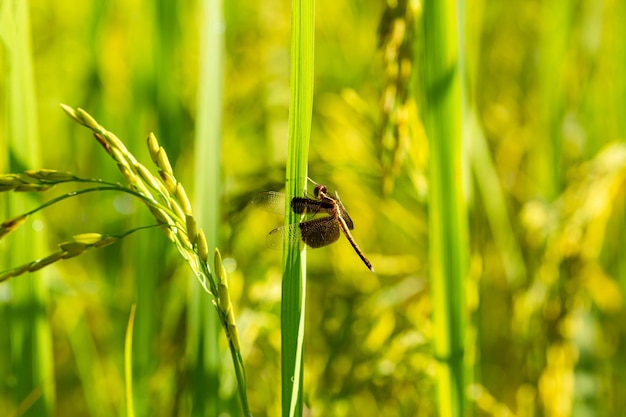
(294, 261)
(94, 189)
(447, 209)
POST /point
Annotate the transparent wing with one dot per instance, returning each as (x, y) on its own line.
(290, 234)
(315, 233)
(271, 201)
(274, 202)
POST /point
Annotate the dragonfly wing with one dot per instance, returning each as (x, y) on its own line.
(315, 233)
(271, 201)
(320, 232)
(345, 215)
(303, 205)
(274, 202)
(289, 233)
(347, 219)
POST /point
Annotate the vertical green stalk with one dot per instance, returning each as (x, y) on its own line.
(557, 29)
(27, 326)
(203, 323)
(128, 364)
(494, 201)
(294, 261)
(443, 119)
(146, 90)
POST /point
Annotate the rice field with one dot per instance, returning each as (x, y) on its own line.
(479, 148)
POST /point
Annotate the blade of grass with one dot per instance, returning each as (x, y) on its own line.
(203, 323)
(203, 326)
(495, 205)
(128, 364)
(480, 158)
(150, 83)
(28, 328)
(294, 261)
(447, 212)
(90, 367)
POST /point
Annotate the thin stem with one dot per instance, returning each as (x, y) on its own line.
(294, 261)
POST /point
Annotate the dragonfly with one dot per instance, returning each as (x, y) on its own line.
(317, 231)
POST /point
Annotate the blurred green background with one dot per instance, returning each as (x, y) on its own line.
(545, 90)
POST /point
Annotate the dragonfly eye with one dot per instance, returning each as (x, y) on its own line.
(320, 189)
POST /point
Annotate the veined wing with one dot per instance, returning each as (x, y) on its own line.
(274, 202)
(315, 233)
(303, 205)
(345, 215)
(271, 201)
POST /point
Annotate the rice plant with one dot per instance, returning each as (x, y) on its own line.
(293, 302)
(478, 148)
(444, 123)
(164, 197)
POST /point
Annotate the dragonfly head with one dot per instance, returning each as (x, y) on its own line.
(320, 190)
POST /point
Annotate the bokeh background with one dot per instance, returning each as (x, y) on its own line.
(545, 90)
